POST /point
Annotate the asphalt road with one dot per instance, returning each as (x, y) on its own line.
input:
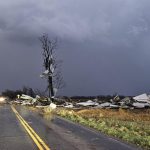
(56, 132)
(12, 134)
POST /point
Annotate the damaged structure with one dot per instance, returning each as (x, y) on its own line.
(142, 101)
(138, 102)
(37, 101)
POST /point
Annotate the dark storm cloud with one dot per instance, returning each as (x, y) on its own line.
(104, 44)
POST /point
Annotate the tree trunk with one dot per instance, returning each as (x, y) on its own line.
(51, 91)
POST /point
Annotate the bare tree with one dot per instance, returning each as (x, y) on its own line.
(52, 66)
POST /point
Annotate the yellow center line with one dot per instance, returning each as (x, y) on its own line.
(38, 141)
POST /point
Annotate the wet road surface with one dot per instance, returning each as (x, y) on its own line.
(12, 134)
(57, 133)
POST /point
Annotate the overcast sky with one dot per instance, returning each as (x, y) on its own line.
(104, 44)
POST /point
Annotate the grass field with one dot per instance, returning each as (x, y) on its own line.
(132, 126)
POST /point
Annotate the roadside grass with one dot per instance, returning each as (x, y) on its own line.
(46, 112)
(132, 126)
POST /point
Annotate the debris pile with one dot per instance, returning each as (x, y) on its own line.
(142, 101)
(37, 101)
(87, 103)
(137, 102)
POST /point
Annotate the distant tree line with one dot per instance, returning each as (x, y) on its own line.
(12, 94)
(98, 97)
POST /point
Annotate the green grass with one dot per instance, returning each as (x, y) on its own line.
(132, 127)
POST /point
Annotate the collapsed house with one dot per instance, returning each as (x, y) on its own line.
(27, 100)
(37, 101)
(30, 101)
(141, 101)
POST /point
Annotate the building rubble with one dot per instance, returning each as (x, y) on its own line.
(137, 102)
(87, 103)
(142, 101)
(37, 101)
